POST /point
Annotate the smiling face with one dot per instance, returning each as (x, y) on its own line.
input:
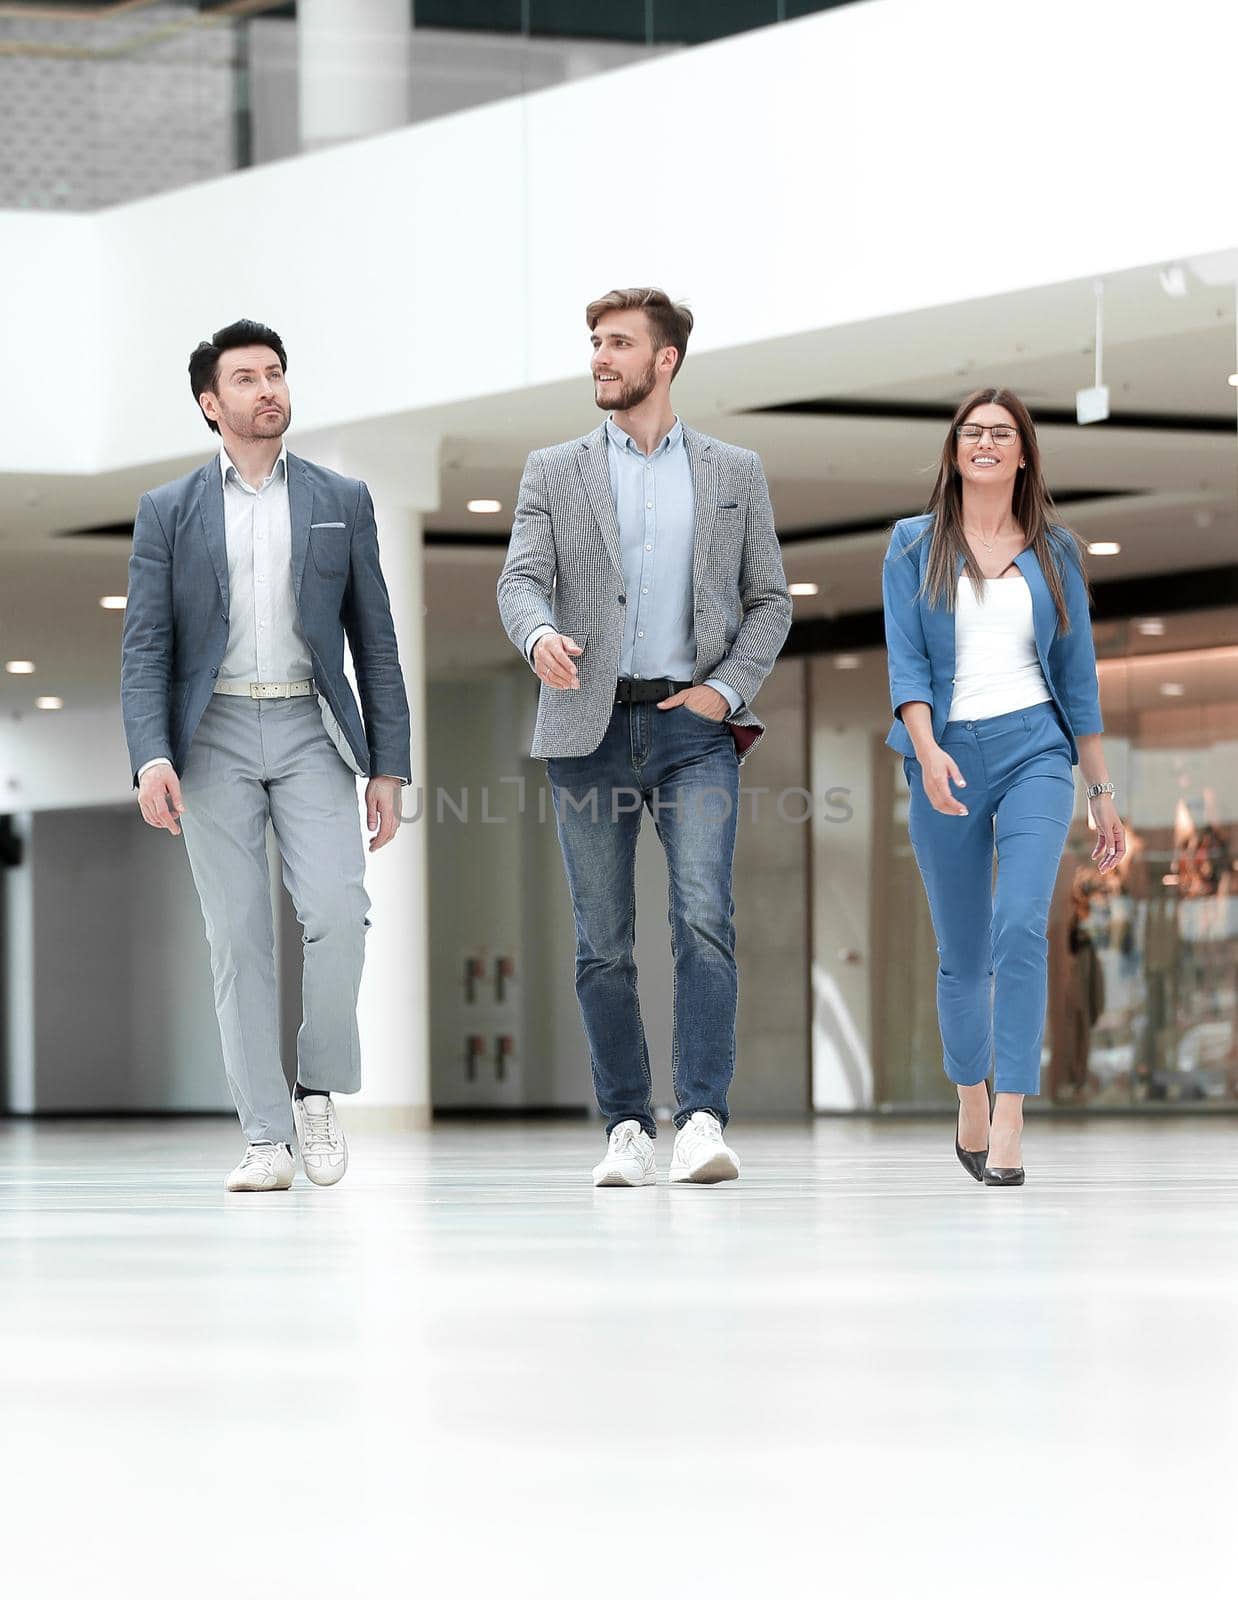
(249, 399)
(626, 367)
(989, 447)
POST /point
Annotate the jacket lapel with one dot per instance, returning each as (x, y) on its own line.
(704, 501)
(211, 510)
(1044, 612)
(596, 476)
(300, 511)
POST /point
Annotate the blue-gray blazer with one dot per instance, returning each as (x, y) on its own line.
(920, 637)
(176, 622)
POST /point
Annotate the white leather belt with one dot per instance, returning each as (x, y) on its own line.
(264, 691)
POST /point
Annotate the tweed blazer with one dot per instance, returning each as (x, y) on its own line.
(176, 623)
(564, 568)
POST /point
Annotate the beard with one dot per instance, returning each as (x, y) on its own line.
(245, 425)
(623, 395)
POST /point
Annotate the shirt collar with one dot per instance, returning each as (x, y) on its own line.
(226, 463)
(625, 441)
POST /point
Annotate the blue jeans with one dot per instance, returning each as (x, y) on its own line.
(683, 768)
(992, 948)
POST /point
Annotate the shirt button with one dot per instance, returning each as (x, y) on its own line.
(644, 591)
(640, 633)
(648, 547)
(648, 505)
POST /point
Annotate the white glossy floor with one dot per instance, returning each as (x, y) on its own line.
(465, 1371)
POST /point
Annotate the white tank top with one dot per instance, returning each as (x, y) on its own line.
(996, 668)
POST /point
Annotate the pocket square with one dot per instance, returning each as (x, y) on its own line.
(328, 524)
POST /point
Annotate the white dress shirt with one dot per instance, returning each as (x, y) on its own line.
(265, 642)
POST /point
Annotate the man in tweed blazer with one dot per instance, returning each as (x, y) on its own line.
(644, 585)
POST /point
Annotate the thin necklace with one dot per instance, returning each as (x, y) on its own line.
(989, 543)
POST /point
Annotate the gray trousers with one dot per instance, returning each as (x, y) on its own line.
(254, 762)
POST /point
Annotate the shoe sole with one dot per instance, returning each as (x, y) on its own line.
(325, 1178)
(616, 1180)
(256, 1188)
(720, 1168)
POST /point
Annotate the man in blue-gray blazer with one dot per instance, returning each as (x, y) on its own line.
(245, 579)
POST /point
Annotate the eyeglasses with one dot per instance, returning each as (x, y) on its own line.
(971, 433)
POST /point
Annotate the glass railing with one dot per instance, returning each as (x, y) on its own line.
(104, 103)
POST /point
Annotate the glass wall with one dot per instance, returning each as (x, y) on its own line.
(1143, 963)
(640, 21)
(108, 104)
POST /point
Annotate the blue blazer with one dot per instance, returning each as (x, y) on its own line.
(176, 622)
(920, 637)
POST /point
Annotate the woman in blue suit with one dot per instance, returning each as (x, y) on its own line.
(993, 682)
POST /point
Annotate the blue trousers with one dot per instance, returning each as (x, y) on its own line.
(992, 949)
(683, 769)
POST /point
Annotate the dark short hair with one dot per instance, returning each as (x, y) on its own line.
(204, 362)
(670, 322)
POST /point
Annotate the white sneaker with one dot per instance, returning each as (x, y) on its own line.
(265, 1166)
(628, 1163)
(324, 1154)
(700, 1154)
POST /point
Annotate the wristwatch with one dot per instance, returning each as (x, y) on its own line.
(1094, 789)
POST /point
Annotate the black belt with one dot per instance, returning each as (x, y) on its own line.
(641, 691)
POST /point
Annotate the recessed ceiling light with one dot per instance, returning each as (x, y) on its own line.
(804, 588)
(484, 508)
(1153, 627)
(1173, 689)
(113, 602)
(1104, 547)
(50, 702)
(20, 668)
(846, 663)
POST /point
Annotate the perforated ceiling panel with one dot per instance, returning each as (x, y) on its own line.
(93, 113)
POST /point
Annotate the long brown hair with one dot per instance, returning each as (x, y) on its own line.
(1032, 505)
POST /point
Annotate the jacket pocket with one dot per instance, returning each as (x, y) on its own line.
(329, 547)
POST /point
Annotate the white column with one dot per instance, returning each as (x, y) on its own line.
(354, 60)
(394, 1009)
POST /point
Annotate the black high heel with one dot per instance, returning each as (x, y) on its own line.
(1004, 1177)
(973, 1160)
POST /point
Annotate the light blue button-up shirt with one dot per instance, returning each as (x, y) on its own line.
(654, 507)
(654, 510)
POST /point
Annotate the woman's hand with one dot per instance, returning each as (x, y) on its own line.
(937, 772)
(1110, 834)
